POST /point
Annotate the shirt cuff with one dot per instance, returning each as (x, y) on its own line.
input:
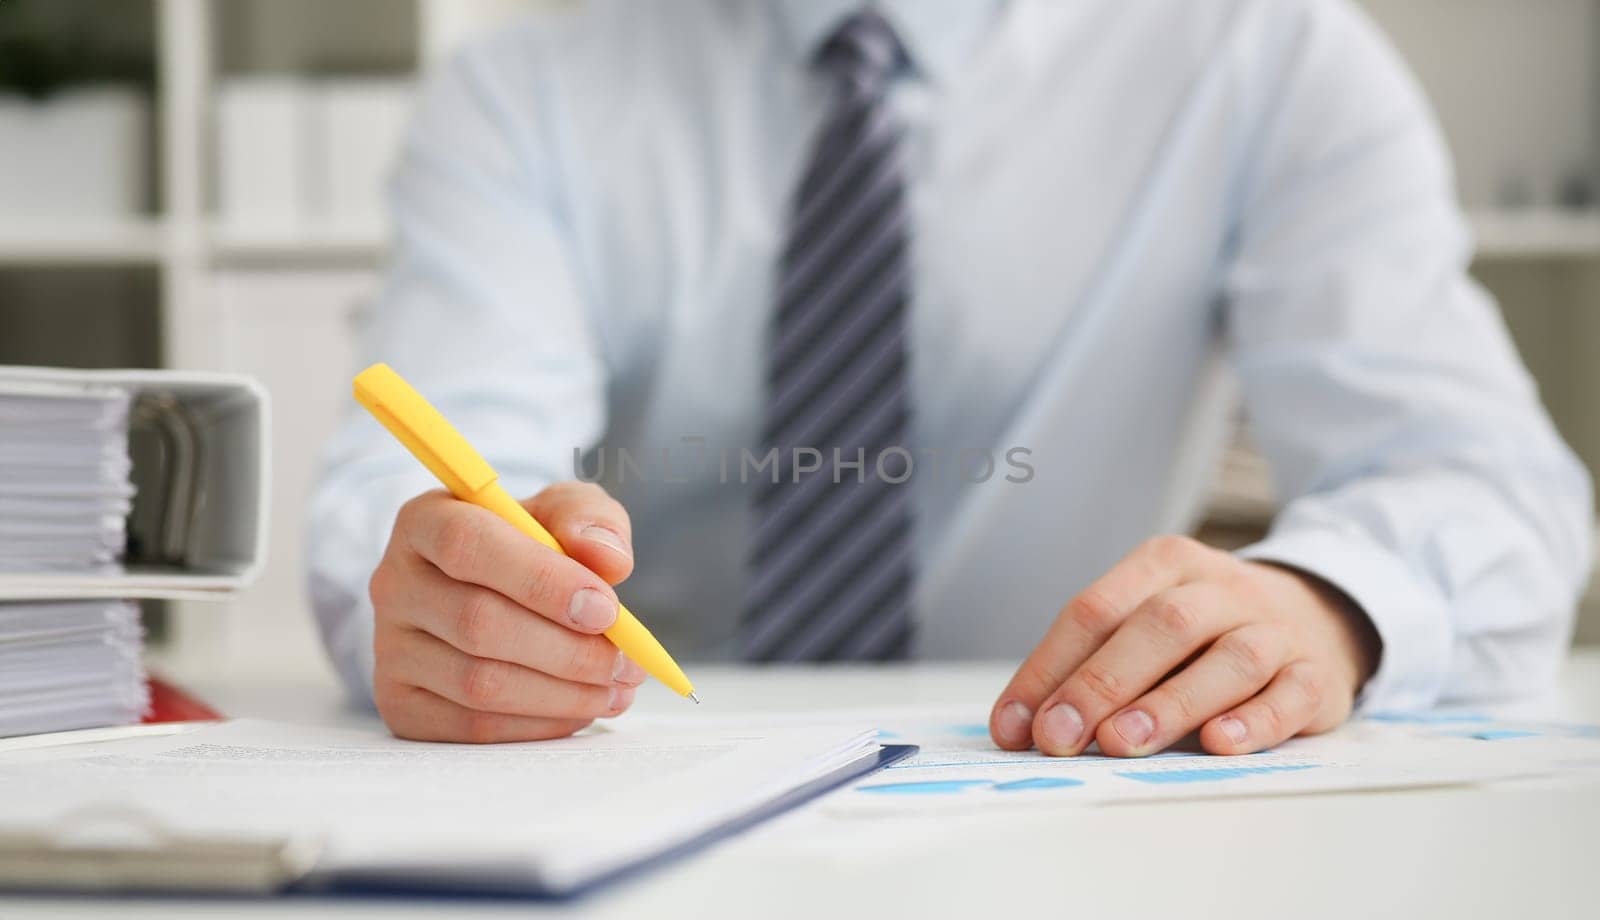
(1411, 616)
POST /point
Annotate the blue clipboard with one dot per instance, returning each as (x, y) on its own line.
(488, 887)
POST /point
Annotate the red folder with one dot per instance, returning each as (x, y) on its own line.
(169, 703)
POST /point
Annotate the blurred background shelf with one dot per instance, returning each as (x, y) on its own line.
(130, 241)
(233, 245)
(1500, 236)
(1536, 234)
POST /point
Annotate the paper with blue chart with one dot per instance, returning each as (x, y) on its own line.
(959, 769)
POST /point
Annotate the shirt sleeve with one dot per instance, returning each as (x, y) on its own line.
(483, 311)
(1417, 469)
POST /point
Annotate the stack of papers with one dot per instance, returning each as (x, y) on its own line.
(69, 664)
(65, 494)
(65, 491)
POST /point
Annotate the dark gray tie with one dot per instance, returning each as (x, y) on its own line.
(831, 567)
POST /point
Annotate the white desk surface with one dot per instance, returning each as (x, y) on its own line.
(1528, 849)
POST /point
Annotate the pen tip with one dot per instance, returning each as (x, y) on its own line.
(695, 698)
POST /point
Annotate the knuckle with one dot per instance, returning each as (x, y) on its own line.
(610, 507)
(575, 497)
(1309, 685)
(540, 585)
(571, 488)
(594, 504)
(1181, 699)
(1239, 587)
(592, 491)
(475, 623)
(381, 587)
(587, 660)
(1170, 548)
(602, 661)
(1175, 619)
(406, 517)
(1094, 613)
(482, 682)
(457, 543)
(413, 515)
(577, 656)
(1100, 684)
(1248, 655)
(1273, 718)
(1033, 679)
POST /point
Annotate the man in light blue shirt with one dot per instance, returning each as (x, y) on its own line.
(1035, 241)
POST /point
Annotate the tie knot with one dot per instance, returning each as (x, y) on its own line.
(863, 51)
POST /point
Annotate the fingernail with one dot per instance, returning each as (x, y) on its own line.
(592, 610)
(607, 537)
(1014, 722)
(621, 698)
(626, 671)
(1061, 727)
(1135, 726)
(1234, 729)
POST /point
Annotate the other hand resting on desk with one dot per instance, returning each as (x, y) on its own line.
(1179, 637)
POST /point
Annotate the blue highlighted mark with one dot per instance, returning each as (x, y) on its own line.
(969, 731)
(932, 787)
(1037, 782)
(1427, 718)
(957, 786)
(1207, 774)
(1498, 734)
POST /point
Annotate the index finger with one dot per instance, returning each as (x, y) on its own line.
(590, 525)
(474, 545)
(1085, 624)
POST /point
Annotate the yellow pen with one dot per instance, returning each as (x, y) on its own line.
(442, 449)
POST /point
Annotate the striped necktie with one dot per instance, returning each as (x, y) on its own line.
(830, 567)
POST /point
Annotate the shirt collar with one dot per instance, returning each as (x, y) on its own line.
(937, 34)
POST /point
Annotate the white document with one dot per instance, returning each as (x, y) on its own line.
(65, 495)
(64, 486)
(959, 769)
(548, 815)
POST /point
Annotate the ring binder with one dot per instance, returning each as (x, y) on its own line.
(117, 848)
(172, 507)
(202, 462)
(192, 499)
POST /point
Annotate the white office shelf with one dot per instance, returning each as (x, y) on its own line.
(302, 243)
(133, 241)
(1536, 234)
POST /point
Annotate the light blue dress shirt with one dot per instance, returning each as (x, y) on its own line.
(1121, 211)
